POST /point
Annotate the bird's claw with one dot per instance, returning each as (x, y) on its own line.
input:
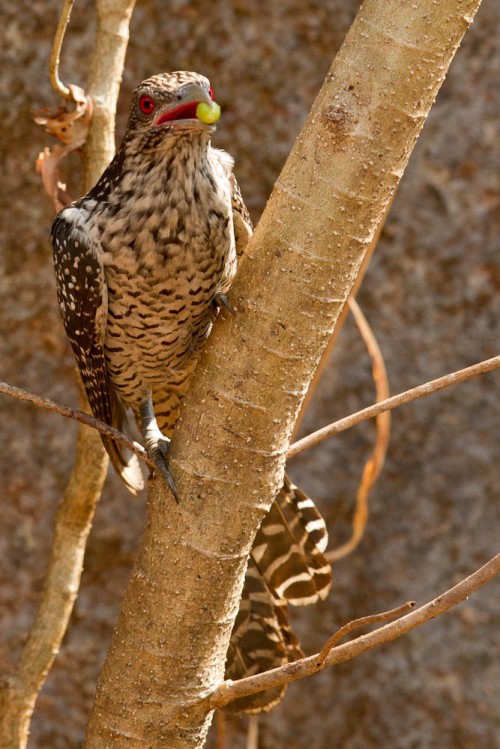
(158, 452)
(221, 300)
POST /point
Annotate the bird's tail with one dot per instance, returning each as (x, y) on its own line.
(125, 463)
(286, 565)
(127, 466)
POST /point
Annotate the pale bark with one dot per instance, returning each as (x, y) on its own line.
(229, 450)
(72, 526)
(106, 67)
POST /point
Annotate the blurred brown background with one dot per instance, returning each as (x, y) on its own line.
(432, 296)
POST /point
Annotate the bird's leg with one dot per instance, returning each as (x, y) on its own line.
(156, 444)
(221, 300)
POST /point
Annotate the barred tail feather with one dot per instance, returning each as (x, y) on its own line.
(288, 549)
(286, 565)
(261, 640)
(127, 466)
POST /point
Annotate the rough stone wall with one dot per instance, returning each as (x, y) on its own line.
(432, 296)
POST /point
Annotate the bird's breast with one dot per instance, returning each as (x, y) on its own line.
(168, 249)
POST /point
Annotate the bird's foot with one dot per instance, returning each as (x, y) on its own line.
(221, 300)
(157, 449)
(157, 445)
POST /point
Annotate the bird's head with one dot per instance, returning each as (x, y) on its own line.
(168, 104)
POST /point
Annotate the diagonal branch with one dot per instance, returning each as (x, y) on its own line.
(389, 404)
(81, 416)
(229, 449)
(229, 691)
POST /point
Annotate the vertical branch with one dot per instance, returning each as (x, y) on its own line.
(108, 58)
(19, 691)
(73, 522)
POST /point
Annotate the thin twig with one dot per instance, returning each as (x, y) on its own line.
(56, 82)
(81, 416)
(229, 691)
(375, 462)
(363, 621)
(253, 732)
(389, 404)
(220, 721)
(433, 386)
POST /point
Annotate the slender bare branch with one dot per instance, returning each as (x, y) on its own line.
(58, 86)
(108, 59)
(253, 732)
(427, 388)
(375, 462)
(488, 365)
(233, 690)
(72, 525)
(77, 415)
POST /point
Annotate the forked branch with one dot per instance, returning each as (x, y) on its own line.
(229, 691)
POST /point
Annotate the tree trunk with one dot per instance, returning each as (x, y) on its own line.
(229, 449)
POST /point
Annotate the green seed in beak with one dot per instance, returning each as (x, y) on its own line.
(208, 113)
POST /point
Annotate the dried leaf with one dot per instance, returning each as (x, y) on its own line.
(71, 128)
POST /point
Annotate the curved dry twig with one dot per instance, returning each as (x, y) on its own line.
(375, 462)
(55, 56)
(488, 365)
(77, 415)
(277, 677)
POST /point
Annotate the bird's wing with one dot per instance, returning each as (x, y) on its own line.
(83, 301)
(243, 228)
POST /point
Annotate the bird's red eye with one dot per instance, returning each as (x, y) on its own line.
(146, 104)
(211, 92)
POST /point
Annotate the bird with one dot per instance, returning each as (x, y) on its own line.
(143, 264)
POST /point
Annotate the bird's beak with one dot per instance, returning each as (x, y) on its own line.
(192, 94)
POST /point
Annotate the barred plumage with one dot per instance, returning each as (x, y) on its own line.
(142, 263)
(286, 565)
